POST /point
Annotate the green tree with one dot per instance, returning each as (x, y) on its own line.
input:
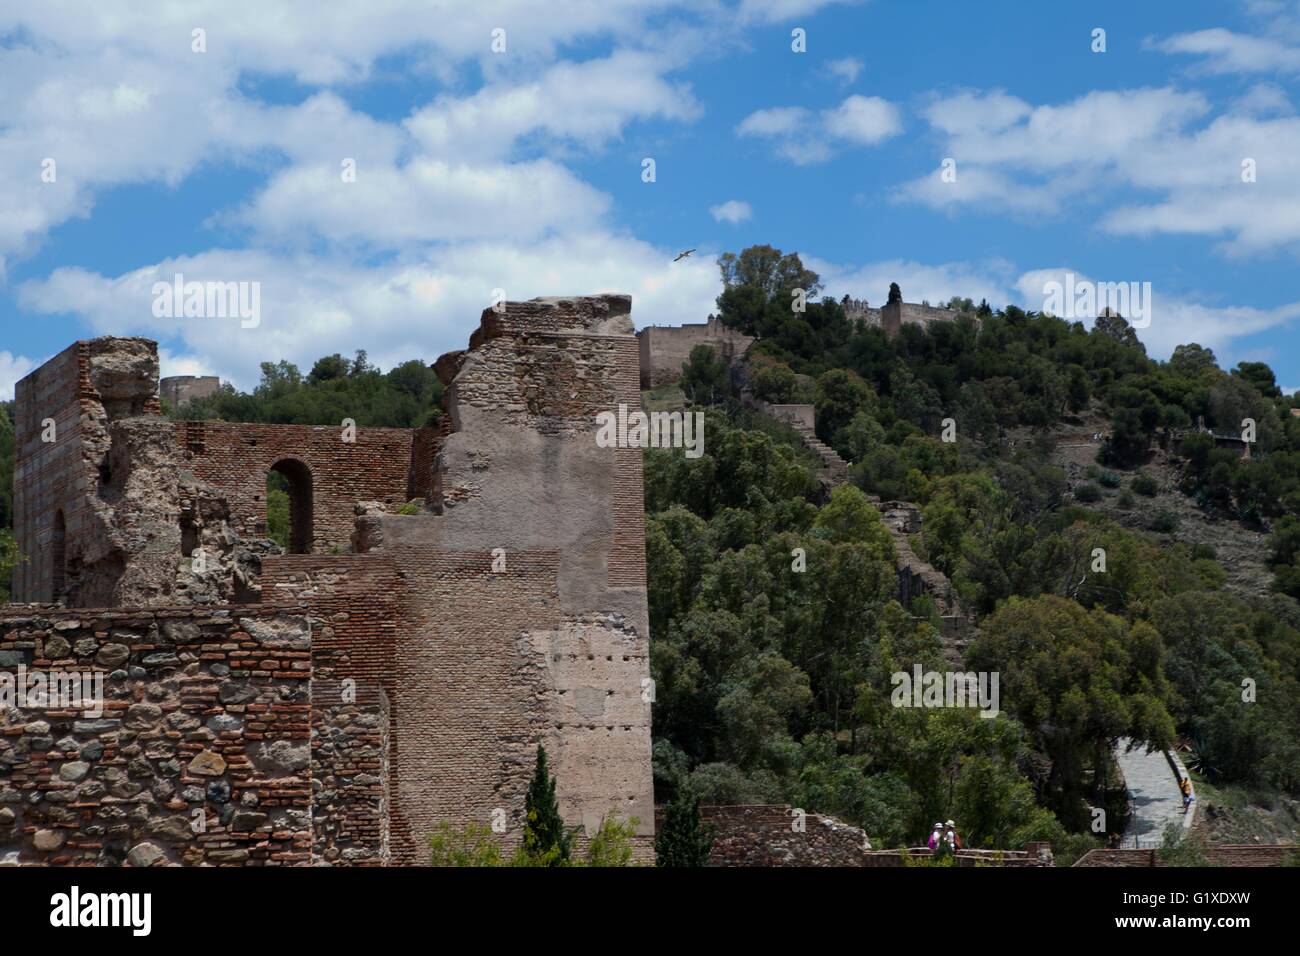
(683, 840)
(1079, 680)
(474, 845)
(704, 376)
(546, 841)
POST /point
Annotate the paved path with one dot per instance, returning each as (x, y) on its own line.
(1153, 793)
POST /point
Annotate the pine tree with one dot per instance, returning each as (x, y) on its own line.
(683, 840)
(545, 839)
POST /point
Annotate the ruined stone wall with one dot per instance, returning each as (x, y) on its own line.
(95, 502)
(234, 459)
(205, 717)
(765, 836)
(664, 350)
(510, 612)
(1215, 855)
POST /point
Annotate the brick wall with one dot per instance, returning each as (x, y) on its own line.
(235, 457)
(205, 717)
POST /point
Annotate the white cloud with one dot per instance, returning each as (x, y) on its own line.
(865, 120)
(804, 137)
(585, 103)
(982, 185)
(1174, 319)
(774, 11)
(845, 70)
(426, 200)
(1028, 159)
(121, 98)
(12, 368)
(331, 43)
(1228, 52)
(1264, 99)
(416, 308)
(733, 211)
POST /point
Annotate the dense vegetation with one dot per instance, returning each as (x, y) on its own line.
(773, 682)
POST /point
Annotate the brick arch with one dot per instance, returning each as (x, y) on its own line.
(301, 520)
(234, 459)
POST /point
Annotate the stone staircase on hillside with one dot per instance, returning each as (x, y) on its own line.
(835, 470)
(901, 518)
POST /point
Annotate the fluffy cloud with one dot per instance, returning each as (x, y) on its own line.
(1228, 52)
(427, 200)
(805, 137)
(1028, 159)
(845, 70)
(1174, 319)
(585, 103)
(733, 211)
(416, 308)
(12, 368)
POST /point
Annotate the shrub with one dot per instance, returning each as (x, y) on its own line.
(1126, 501)
(775, 383)
(1165, 522)
(1087, 492)
(1109, 479)
(1143, 484)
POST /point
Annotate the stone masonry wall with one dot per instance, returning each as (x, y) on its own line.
(205, 718)
(764, 836)
(350, 773)
(664, 350)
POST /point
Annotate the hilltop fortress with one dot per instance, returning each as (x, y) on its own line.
(665, 348)
(455, 595)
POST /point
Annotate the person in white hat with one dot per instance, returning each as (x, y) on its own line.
(951, 836)
(936, 835)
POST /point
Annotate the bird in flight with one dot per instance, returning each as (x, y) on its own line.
(683, 255)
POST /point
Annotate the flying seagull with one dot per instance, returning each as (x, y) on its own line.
(683, 255)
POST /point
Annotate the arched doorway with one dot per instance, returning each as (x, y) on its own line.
(291, 477)
(58, 558)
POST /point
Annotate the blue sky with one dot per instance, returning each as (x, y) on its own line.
(522, 169)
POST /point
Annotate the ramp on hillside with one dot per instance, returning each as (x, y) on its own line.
(1153, 794)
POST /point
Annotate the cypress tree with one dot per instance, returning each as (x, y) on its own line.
(683, 840)
(545, 838)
